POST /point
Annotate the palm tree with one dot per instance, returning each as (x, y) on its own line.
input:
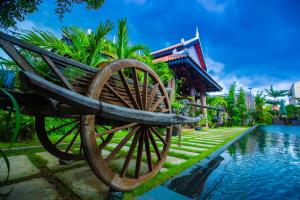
(273, 93)
(120, 48)
(85, 47)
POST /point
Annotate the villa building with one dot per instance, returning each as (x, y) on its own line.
(294, 93)
(186, 59)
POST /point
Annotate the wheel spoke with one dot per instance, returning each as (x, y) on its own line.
(65, 135)
(122, 143)
(152, 95)
(61, 126)
(153, 142)
(145, 92)
(158, 135)
(153, 108)
(80, 148)
(128, 90)
(72, 142)
(106, 141)
(118, 95)
(130, 153)
(148, 152)
(139, 154)
(117, 129)
(137, 87)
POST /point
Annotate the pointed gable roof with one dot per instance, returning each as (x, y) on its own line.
(189, 55)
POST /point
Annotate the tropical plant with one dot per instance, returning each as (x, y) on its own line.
(120, 48)
(273, 93)
(231, 100)
(259, 104)
(12, 113)
(292, 111)
(13, 11)
(241, 105)
(85, 47)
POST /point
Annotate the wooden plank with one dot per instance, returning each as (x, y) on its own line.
(59, 74)
(137, 88)
(152, 95)
(118, 96)
(145, 92)
(16, 56)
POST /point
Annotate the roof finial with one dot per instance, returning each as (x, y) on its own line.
(197, 32)
(182, 40)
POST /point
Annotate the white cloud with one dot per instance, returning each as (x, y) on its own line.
(213, 66)
(257, 82)
(140, 2)
(213, 5)
(29, 25)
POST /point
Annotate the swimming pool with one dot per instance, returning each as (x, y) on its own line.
(265, 164)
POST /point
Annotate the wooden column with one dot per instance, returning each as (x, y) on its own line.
(203, 102)
(193, 95)
(172, 87)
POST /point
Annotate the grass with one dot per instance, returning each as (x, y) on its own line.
(176, 169)
(226, 134)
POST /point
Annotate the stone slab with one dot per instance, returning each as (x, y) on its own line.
(20, 166)
(124, 148)
(183, 152)
(34, 189)
(118, 163)
(53, 162)
(204, 142)
(84, 183)
(192, 148)
(174, 160)
(197, 144)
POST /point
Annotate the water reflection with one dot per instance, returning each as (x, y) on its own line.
(251, 168)
(191, 185)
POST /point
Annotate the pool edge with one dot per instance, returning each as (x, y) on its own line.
(201, 164)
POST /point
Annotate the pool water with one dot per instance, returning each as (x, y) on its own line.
(265, 164)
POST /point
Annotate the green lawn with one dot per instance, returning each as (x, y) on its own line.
(207, 140)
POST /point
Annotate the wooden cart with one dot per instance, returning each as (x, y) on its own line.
(108, 116)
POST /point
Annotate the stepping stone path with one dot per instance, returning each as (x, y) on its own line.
(30, 182)
(33, 189)
(53, 162)
(20, 167)
(84, 183)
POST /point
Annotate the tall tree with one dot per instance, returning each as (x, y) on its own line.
(241, 105)
(12, 11)
(259, 104)
(231, 100)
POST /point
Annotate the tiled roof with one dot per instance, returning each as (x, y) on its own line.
(167, 48)
(170, 58)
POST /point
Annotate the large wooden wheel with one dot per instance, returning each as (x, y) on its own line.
(124, 155)
(60, 136)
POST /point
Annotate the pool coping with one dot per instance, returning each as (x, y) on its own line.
(157, 192)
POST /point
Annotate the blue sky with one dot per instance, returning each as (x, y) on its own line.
(255, 43)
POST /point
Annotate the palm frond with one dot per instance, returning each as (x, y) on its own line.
(122, 38)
